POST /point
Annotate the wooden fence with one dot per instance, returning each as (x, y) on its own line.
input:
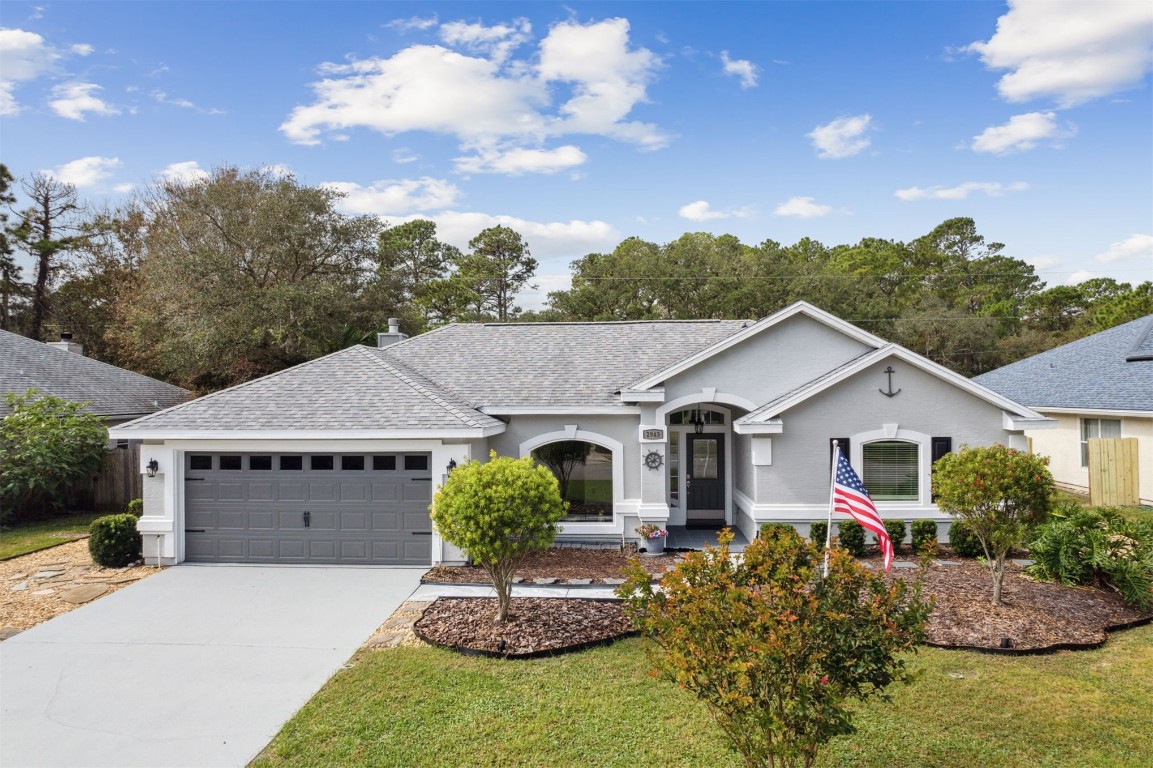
(118, 482)
(1113, 478)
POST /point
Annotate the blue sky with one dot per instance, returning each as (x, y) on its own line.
(580, 124)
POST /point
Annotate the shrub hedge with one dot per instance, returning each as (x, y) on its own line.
(963, 541)
(924, 535)
(896, 531)
(818, 532)
(851, 534)
(113, 540)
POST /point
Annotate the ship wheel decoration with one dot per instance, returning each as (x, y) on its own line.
(653, 460)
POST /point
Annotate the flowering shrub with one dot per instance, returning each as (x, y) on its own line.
(773, 650)
(651, 531)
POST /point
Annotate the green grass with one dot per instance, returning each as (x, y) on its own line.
(22, 538)
(429, 707)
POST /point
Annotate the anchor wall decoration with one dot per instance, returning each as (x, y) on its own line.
(890, 393)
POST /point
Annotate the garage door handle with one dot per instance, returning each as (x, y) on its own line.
(194, 479)
(194, 530)
(418, 479)
(421, 533)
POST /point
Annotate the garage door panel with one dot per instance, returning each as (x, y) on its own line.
(362, 516)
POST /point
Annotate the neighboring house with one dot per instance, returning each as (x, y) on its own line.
(711, 422)
(60, 369)
(1098, 386)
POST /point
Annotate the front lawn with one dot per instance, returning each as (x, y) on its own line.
(429, 707)
(22, 538)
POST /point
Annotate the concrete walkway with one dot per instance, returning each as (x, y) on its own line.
(196, 666)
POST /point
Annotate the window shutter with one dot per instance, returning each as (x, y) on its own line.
(843, 444)
(941, 446)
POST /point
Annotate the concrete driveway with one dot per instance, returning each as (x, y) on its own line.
(195, 666)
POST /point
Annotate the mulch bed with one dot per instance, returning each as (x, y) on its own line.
(563, 563)
(536, 626)
(1036, 617)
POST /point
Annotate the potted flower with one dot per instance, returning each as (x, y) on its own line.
(654, 537)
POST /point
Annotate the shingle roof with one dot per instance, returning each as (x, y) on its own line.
(553, 364)
(112, 392)
(357, 388)
(1111, 370)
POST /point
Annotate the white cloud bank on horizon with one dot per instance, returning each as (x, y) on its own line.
(843, 137)
(1069, 50)
(498, 107)
(1136, 246)
(1021, 133)
(959, 192)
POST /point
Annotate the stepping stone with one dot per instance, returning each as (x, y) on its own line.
(44, 592)
(20, 587)
(81, 595)
(904, 564)
(7, 632)
(947, 562)
(580, 581)
(126, 578)
(1023, 562)
(48, 574)
(613, 582)
(545, 580)
(517, 580)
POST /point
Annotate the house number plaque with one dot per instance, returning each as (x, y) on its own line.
(653, 434)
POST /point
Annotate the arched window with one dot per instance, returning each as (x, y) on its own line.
(585, 473)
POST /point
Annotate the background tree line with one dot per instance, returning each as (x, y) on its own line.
(212, 282)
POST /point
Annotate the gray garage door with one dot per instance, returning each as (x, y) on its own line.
(308, 508)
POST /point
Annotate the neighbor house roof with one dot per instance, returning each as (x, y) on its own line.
(1111, 371)
(554, 364)
(357, 389)
(110, 391)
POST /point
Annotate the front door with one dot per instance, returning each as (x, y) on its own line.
(705, 481)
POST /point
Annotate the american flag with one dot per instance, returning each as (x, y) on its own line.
(850, 498)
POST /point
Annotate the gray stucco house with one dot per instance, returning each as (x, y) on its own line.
(711, 422)
(1098, 386)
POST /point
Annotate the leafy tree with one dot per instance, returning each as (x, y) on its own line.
(498, 513)
(773, 650)
(247, 273)
(47, 231)
(1129, 305)
(562, 458)
(411, 255)
(999, 493)
(46, 444)
(498, 267)
(9, 270)
(615, 286)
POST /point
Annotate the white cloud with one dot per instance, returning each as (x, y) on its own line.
(26, 56)
(1021, 133)
(702, 211)
(85, 172)
(520, 160)
(187, 172)
(412, 23)
(961, 191)
(1041, 263)
(497, 42)
(1069, 50)
(162, 97)
(803, 208)
(843, 137)
(123, 188)
(744, 70)
(1080, 277)
(490, 102)
(82, 49)
(1133, 247)
(396, 198)
(547, 240)
(403, 155)
(278, 170)
(73, 100)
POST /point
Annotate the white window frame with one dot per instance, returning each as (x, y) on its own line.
(604, 441)
(889, 433)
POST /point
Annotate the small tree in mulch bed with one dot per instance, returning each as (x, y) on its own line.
(498, 513)
(999, 493)
(775, 651)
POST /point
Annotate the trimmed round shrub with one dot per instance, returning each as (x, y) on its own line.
(818, 532)
(136, 507)
(896, 531)
(924, 535)
(768, 528)
(963, 541)
(851, 534)
(113, 540)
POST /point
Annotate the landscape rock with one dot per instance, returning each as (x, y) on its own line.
(81, 595)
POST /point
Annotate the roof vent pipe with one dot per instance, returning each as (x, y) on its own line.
(393, 325)
(393, 336)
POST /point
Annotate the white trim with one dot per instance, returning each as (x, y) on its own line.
(116, 433)
(773, 426)
(681, 433)
(1011, 422)
(912, 358)
(618, 451)
(924, 445)
(699, 398)
(796, 308)
(291, 446)
(763, 512)
(542, 410)
(1091, 412)
(655, 395)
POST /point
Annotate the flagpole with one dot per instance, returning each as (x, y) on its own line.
(829, 522)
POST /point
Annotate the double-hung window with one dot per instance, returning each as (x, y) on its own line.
(1096, 428)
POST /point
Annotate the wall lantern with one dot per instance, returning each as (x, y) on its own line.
(152, 467)
(698, 421)
(451, 465)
